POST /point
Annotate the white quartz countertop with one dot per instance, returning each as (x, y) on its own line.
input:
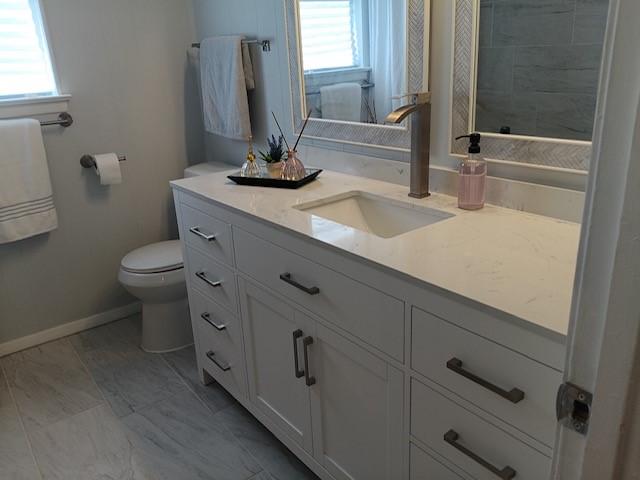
(515, 262)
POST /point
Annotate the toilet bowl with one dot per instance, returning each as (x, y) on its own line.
(155, 275)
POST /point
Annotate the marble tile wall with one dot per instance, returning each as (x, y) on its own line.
(94, 407)
(539, 65)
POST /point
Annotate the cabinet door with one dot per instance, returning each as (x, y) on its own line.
(274, 334)
(357, 410)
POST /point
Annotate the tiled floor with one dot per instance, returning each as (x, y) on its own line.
(95, 406)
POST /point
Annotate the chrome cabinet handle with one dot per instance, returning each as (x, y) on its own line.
(310, 380)
(286, 277)
(207, 318)
(507, 473)
(203, 276)
(225, 367)
(297, 335)
(196, 231)
(514, 395)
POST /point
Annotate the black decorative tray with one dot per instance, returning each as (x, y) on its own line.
(312, 174)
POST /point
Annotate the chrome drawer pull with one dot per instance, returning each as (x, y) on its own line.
(310, 380)
(286, 277)
(225, 367)
(514, 395)
(196, 231)
(203, 276)
(297, 335)
(507, 473)
(207, 318)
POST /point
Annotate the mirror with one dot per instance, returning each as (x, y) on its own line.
(353, 58)
(538, 67)
(348, 59)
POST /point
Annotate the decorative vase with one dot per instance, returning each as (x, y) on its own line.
(251, 167)
(293, 169)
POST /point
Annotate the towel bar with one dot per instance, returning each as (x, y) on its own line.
(89, 161)
(266, 44)
(64, 120)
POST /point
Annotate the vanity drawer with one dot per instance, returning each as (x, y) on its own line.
(208, 234)
(446, 353)
(212, 278)
(457, 435)
(425, 467)
(219, 342)
(372, 316)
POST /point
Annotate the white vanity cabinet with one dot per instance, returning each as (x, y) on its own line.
(363, 373)
(336, 400)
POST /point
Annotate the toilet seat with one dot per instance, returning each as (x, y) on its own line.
(152, 259)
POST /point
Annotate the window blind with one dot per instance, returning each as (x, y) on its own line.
(328, 34)
(25, 66)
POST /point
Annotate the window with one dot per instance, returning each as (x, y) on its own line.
(25, 64)
(329, 38)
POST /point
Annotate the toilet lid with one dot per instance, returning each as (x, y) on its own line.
(154, 258)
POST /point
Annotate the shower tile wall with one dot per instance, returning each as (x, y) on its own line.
(539, 64)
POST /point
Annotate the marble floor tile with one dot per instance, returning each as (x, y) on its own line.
(181, 440)
(127, 330)
(92, 445)
(16, 460)
(129, 377)
(262, 476)
(49, 383)
(274, 457)
(184, 363)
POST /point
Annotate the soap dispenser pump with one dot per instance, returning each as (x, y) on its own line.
(472, 176)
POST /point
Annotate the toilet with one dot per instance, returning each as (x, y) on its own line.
(155, 275)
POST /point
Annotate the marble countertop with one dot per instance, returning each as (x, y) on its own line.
(515, 262)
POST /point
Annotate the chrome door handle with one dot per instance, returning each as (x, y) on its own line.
(203, 276)
(196, 231)
(296, 336)
(286, 277)
(207, 318)
(514, 395)
(225, 367)
(507, 473)
(310, 380)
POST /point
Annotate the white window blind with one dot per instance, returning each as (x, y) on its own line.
(25, 65)
(328, 34)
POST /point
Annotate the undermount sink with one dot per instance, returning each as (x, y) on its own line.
(380, 216)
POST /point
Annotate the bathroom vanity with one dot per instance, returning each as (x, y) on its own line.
(378, 336)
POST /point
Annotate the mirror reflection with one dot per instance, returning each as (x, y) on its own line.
(539, 66)
(354, 58)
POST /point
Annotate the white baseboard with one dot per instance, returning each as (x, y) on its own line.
(67, 329)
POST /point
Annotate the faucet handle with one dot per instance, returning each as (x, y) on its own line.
(417, 98)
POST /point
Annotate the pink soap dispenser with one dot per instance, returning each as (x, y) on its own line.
(472, 176)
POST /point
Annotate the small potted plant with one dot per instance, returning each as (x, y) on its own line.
(275, 156)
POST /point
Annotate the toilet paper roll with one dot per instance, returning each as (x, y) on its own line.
(108, 169)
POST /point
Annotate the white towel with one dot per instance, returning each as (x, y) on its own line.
(342, 101)
(224, 83)
(26, 199)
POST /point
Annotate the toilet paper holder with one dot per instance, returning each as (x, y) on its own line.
(89, 161)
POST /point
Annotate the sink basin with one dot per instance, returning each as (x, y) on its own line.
(380, 216)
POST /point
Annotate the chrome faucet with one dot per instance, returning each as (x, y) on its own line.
(420, 141)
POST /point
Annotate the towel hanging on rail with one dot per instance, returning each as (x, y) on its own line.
(225, 77)
(26, 198)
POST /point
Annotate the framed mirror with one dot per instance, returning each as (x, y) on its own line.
(526, 75)
(351, 61)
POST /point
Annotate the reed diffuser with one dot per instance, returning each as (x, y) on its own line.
(293, 169)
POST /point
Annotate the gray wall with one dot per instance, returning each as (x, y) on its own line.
(539, 65)
(124, 63)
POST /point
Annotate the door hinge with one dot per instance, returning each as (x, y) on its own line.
(573, 407)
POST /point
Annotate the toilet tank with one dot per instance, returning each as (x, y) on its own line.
(205, 168)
